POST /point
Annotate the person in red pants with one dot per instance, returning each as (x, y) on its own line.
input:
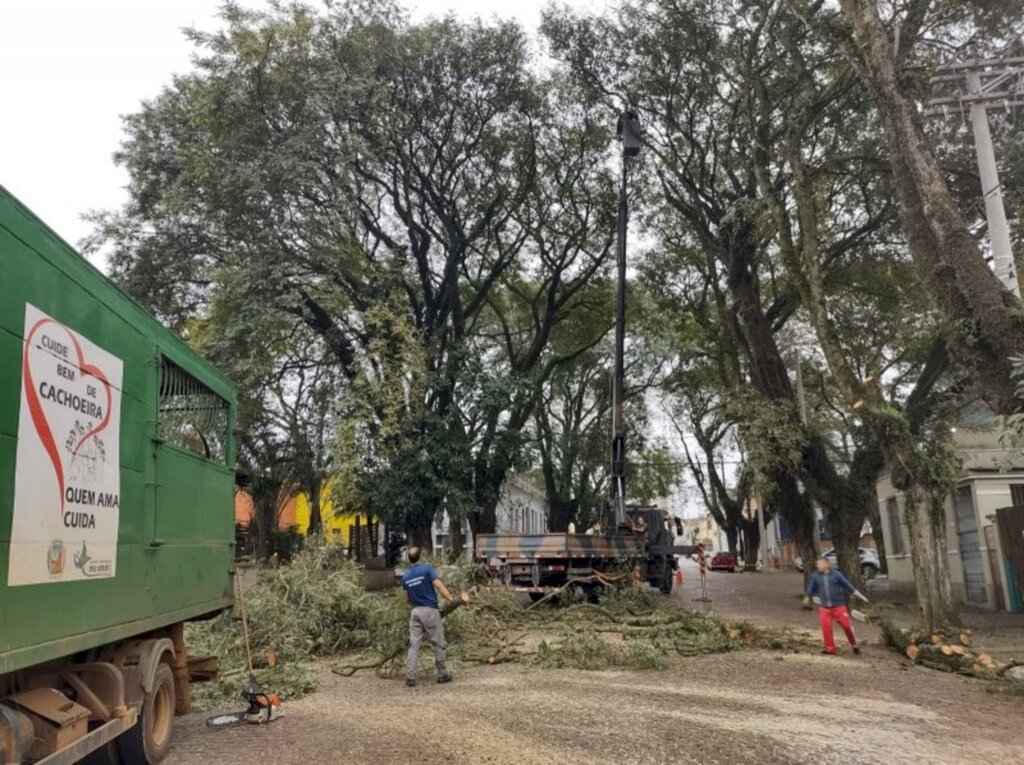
(828, 588)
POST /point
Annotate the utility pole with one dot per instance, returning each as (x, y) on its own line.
(629, 135)
(981, 84)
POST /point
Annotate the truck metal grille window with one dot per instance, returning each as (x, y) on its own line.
(192, 416)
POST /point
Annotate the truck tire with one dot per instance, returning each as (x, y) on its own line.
(665, 585)
(148, 742)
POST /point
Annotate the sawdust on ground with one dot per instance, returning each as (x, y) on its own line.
(750, 707)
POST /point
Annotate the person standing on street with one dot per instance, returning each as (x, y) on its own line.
(828, 588)
(422, 585)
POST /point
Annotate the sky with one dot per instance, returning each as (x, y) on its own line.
(69, 69)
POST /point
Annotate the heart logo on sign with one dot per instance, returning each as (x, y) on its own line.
(35, 404)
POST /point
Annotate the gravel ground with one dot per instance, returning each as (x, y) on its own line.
(753, 707)
(748, 707)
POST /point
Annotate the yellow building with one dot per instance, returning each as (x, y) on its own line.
(295, 512)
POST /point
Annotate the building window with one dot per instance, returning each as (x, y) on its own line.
(894, 544)
(191, 416)
(1017, 494)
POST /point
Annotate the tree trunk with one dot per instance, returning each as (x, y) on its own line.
(731, 540)
(456, 537)
(752, 543)
(560, 514)
(316, 526)
(846, 540)
(983, 321)
(419, 535)
(486, 492)
(265, 523)
(926, 527)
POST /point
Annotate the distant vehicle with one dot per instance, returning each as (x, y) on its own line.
(870, 565)
(723, 561)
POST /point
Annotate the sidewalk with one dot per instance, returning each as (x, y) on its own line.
(773, 600)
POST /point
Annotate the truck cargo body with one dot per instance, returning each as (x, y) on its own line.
(116, 460)
(533, 562)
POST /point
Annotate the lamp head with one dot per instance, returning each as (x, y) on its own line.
(628, 132)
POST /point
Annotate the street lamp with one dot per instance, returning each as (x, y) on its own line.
(628, 132)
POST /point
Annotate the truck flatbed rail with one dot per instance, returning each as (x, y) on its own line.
(558, 545)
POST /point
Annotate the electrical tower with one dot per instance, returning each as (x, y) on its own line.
(978, 85)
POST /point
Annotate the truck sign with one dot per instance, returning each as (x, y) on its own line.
(67, 470)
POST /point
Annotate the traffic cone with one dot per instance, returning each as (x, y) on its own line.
(679, 576)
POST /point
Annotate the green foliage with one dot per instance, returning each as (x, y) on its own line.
(772, 438)
(289, 681)
(392, 456)
(645, 638)
(410, 209)
(316, 606)
(1011, 426)
(590, 651)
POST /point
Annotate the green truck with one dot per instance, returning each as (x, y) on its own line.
(116, 508)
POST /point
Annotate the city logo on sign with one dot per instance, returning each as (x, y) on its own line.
(55, 558)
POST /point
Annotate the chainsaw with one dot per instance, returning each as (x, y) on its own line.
(263, 707)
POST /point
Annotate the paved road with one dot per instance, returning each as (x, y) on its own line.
(772, 599)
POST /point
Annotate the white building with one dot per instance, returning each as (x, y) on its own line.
(992, 478)
(522, 509)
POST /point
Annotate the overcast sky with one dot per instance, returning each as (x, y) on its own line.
(70, 68)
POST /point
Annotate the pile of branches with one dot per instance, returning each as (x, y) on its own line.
(946, 651)
(626, 628)
(314, 607)
(317, 608)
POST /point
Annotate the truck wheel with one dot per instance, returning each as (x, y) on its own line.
(665, 585)
(147, 743)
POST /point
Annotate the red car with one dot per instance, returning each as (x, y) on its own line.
(723, 561)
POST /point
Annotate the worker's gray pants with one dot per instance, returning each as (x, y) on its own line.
(426, 622)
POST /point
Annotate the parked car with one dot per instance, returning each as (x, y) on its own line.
(723, 561)
(869, 562)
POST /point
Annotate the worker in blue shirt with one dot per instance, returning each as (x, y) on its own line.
(422, 584)
(828, 588)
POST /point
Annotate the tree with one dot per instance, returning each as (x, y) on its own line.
(318, 166)
(572, 432)
(727, 509)
(825, 213)
(767, 194)
(706, 201)
(982, 322)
